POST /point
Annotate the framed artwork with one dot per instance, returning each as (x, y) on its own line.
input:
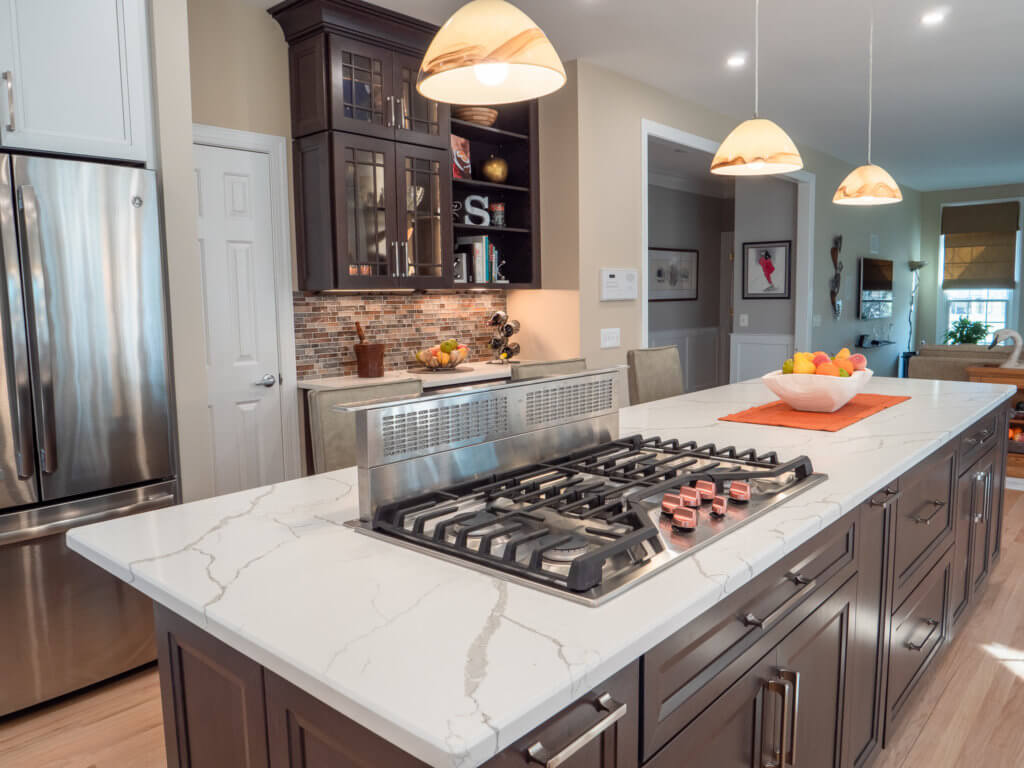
(766, 268)
(673, 274)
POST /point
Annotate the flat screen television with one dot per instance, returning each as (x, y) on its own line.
(875, 288)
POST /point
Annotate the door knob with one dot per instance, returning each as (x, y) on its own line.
(268, 381)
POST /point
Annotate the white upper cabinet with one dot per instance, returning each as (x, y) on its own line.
(75, 77)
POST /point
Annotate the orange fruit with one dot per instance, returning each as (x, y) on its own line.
(827, 369)
(845, 364)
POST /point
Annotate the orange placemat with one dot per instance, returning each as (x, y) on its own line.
(778, 414)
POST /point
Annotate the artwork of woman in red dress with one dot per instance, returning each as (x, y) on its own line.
(767, 266)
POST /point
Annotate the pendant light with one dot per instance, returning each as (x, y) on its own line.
(489, 52)
(869, 184)
(756, 147)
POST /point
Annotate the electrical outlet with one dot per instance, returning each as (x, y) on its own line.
(610, 337)
(744, 320)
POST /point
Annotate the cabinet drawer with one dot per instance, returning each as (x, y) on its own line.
(598, 729)
(690, 669)
(977, 439)
(924, 520)
(919, 628)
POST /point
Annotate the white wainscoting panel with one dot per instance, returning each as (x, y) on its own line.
(698, 352)
(751, 355)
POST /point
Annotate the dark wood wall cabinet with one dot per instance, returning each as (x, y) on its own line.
(810, 665)
(373, 163)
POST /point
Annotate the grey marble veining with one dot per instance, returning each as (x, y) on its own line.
(453, 665)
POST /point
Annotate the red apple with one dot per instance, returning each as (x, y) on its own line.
(820, 359)
(859, 362)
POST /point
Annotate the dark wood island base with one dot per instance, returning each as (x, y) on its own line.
(811, 664)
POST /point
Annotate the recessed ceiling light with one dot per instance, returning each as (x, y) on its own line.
(736, 61)
(934, 18)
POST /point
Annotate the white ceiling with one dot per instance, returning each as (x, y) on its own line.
(949, 100)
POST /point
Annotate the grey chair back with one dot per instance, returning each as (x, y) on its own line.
(540, 370)
(654, 374)
(332, 435)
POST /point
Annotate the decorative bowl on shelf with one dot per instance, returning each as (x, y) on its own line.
(442, 357)
(484, 116)
(811, 392)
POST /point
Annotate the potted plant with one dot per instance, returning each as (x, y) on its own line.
(965, 331)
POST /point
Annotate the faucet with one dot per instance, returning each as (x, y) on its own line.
(1013, 361)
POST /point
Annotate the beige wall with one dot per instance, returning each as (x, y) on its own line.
(608, 109)
(931, 212)
(239, 65)
(173, 118)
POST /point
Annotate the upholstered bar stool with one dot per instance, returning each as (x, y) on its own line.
(654, 374)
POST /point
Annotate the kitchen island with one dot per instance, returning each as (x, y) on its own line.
(453, 666)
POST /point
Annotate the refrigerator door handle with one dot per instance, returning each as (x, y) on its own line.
(39, 320)
(19, 387)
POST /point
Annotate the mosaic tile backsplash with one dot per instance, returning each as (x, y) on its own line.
(325, 326)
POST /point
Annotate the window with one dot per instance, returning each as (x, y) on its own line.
(989, 305)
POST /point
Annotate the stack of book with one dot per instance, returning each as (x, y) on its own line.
(481, 256)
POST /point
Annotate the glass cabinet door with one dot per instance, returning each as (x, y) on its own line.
(424, 221)
(417, 119)
(367, 245)
(362, 83)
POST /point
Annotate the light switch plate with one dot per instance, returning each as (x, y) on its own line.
(744, 320)
(816, 321)
(610, 337)
(874, 246)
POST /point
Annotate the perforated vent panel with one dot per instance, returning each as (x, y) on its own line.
(562, 402)
(440, 426)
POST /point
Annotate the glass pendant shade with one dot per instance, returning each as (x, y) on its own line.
(868, 185)
(489, 52)
(756, 147)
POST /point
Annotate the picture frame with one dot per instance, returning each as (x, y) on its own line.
(767, 269)
(673, 274)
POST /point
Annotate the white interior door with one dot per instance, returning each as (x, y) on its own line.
(243, 372)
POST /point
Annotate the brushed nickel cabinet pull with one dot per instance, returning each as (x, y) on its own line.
(784, 688)
(807, 586)
(933, 623)
(794, 678)
(605, 702)
(9, 79)
(391, 111)
(928, 520)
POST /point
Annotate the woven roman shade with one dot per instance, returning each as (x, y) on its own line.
(980, 245)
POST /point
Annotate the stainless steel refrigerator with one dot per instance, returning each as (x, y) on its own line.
(85, 415)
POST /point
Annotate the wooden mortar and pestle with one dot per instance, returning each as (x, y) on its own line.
(369, 357)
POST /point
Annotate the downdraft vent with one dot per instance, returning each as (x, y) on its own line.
(444, 426)
(566, 402)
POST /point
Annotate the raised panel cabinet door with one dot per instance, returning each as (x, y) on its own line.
(361, 88)
(303, 732)
(212, 698)
(75, 77)
(743, 728)
(366, 246)
(424, 216)
(813, 657)
(961, 576)
(418, 120)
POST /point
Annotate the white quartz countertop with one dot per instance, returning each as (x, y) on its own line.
(453, 665)
(467, 373)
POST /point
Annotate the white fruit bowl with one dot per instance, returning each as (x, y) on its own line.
(810, 392)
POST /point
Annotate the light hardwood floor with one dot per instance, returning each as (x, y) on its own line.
(969, 712)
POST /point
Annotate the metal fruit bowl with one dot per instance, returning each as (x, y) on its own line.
(442, 361)
(811, 392)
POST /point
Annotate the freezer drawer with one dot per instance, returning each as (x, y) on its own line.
(94, 302)
(67, 622)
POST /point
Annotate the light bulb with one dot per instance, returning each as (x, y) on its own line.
(491, 73)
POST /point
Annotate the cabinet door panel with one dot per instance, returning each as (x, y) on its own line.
(361, 85)
(424, 205)
(418, 120)
(741, 729)
(78, 77)
(813, 656)
(961, 576)
(365, 203)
